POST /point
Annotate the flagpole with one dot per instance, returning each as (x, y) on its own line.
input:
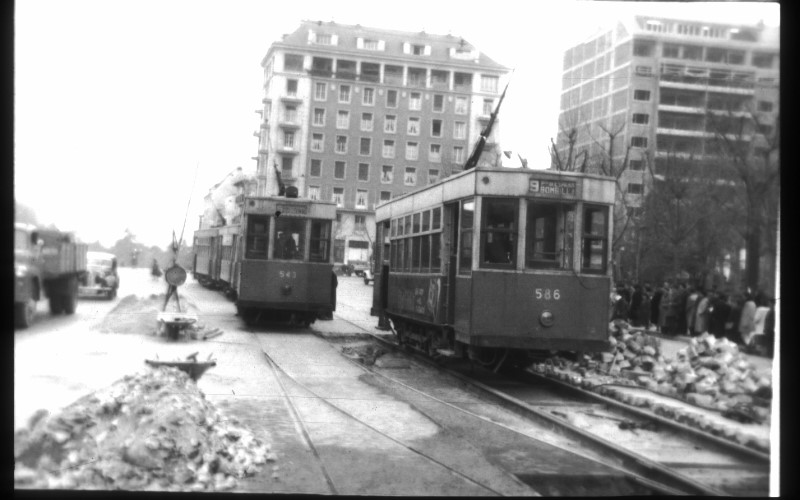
(476, 153)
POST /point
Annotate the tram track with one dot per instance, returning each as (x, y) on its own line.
(682, 459)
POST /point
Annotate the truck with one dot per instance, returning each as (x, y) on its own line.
(47, 264)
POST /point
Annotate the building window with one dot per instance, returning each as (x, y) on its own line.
(670, 50)
(438, 103)
(365, 146)
(635, 188)
(488, 104)
(433, 175)
(320, 91)
(436, 128)
(360, 221)
(435, 154)
(418, 50)
(459, 130)
(339, 170)
(489, 83)
(641, 118)
(636, 165)
(461, 105)
(765, 106)
(341, 144)
(388, 148)
(369, 44)
(458, 154)
(368, 97)
(338, 196)
(391, 98)
(639, 142)
(641, 95)
(292, 62)
(317, 141)
(319, 117)
(323, 39)
(286, 165)
(291, 88)
(290, 114)
(363, 171)
(288, 140)
(390, 124)
(412, 151)
(762, 60)
(316, 168)
(387, 174)
(362, 196)
(410, 179)
(413, 126)
(313, 192)
(386, 195)
(343, 119)
(414, 101)
(344, 93)
(366, 122)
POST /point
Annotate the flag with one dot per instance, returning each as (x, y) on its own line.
(476, 153)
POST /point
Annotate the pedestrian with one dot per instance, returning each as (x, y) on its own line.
(735, 303)
(702, 313)
(747, 319)
(644, 308)
(665, 316)
(720, 311)
(636, 303)
(690, 310)
(769, 328)
(655, 307)
(679, 309)
(155, 270)
(757, 342)
(621, 307)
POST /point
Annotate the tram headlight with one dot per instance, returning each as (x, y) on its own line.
(547, 318)
(286, 289)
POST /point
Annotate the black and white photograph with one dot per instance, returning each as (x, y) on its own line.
(376, 248)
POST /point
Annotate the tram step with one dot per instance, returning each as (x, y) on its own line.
(446, 352)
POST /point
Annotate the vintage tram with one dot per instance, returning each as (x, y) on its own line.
(275, 260)
(495, 264)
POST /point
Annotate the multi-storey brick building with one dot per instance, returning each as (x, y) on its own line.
(358, 115)
(656, 80)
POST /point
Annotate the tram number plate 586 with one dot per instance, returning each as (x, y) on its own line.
(548, 294)
(288, 274)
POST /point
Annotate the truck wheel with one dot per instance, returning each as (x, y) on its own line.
(24, 313)
(112, 294)
(56, 306)
(69, 303)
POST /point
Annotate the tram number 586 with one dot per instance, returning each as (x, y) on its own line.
(288, 274)
(547, 294)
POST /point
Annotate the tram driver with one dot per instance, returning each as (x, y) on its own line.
(286, 247)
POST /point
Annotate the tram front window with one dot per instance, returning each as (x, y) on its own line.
(549, 237)
(290, 238)
(320, 240)
(257, 233)
(498, 231)
(595, 221)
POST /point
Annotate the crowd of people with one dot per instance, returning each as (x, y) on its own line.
(679, 309)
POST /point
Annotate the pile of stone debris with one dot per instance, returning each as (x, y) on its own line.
(150, 431)
(709, 372)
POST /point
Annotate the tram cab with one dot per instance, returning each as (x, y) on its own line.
(284, 266)
(493, 259)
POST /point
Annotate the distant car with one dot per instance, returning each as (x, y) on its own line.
(368, 276)
(359, 266)
(101, 278)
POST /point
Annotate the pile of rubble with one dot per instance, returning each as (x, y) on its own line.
(150, 431)
(709, 372)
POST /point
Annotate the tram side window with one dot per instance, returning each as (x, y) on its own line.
(595, 243)
(436, 248)
(320, 240)
(465, 238)
(407, 263)
(548, 242)
(290, 238)
(498, 232)
(257, 237)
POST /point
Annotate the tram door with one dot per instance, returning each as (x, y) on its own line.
(450, 251)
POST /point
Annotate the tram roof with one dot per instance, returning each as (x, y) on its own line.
(490, 181)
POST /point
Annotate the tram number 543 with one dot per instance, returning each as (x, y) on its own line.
(547, 294)
(288, 274)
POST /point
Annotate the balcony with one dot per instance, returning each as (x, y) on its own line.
(291, 98)
(263, 125)
(674, 108)
(287, 150)
(288, 124)
(684, 132)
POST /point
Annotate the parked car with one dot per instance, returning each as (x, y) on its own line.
(101, 278)
(368, 276)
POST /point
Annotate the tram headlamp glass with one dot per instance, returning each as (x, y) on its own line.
(547, 318)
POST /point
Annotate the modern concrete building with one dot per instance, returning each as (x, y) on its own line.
(656, 80)
(358, 115)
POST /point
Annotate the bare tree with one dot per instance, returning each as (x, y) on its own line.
(750, 159)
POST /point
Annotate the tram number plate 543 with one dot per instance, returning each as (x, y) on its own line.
(548, 294)
(288, 274)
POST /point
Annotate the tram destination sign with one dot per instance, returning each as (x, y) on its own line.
(551, 188)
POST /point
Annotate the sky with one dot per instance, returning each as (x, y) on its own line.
(128, 111)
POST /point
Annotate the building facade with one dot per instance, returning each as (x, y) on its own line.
(656, 80)
(359, 115)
